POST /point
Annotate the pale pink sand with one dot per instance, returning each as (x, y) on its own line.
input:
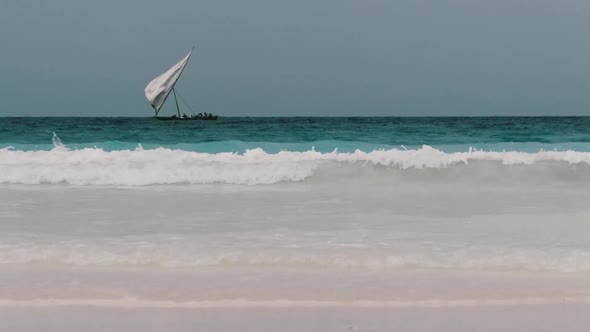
(548, 317)
(143, 299)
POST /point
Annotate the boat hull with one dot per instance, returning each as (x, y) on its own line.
(175, 118)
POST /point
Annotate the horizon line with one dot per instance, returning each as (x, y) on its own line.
(314, 116)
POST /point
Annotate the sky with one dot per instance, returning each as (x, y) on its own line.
(298, 57)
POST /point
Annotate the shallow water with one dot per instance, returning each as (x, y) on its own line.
(249, 204)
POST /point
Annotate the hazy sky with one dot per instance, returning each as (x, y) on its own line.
(298, 57)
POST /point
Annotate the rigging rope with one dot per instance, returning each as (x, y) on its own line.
(184, 102)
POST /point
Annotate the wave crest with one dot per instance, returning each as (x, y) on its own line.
(140, 167)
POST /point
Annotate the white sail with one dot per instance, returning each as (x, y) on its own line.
(159, 88)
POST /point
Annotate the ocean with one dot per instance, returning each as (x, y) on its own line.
(448, 134)
(264, 151)
(294, 211)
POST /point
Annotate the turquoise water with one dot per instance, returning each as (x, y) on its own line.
(450, 134)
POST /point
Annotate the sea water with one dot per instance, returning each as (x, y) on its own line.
(293, 208)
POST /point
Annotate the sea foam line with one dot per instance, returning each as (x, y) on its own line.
(184, 255)
(129, 302)
(94, 166)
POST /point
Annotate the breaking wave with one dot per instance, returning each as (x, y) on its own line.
(163, 166)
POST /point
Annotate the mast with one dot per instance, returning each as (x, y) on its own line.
(176, 100)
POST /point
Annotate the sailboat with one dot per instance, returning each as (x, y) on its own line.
(158, 90)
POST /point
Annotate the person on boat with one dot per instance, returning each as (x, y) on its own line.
(200, 115)
(184, 116)
(174, 116)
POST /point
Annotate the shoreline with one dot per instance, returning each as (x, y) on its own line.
(131, 303)
(278, 287)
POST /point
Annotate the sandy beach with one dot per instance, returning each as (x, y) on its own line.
(545, 317)
(283, 300)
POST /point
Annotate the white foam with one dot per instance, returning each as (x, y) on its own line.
(129, 302)
(202, 253)
(164, 166)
